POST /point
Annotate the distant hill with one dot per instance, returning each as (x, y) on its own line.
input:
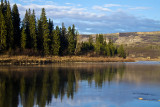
(137, 44)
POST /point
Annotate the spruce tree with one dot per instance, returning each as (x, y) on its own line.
(74, 33)
(73, 30)
(4, 9)
(103, 48)
(71, 41)
(32, 28)
(108, 52)
(78, 46)
(45, 32)
(101, 38)
(121, 51)
(9, 28)
(112, 48)
(91, 47)
(63, 40)
(56, 41)
(23, 39)
(39, 36)
(27, 29)
(2, 5)
(97, 45)
(3, 32)
(50, 26)
(16, 26)
(90, 40)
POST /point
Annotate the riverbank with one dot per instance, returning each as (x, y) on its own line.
(26, 60)
(146, 59)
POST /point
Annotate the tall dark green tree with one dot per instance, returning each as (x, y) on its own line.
(27, 29)
(16, 26)
(45, 32)
(75, 33)
(39, 36)
(71, 40)
(56, 41)
(50, 26)
(63, 40)
(3, 32)
(9, 28)
(32, 28)
(91, 46)
(23, 39)
(4, 7)
(2, 4)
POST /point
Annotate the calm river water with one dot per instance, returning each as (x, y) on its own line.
(81, 85)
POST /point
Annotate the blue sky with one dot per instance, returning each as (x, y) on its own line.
(99, 16)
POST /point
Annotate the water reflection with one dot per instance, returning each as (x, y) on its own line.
(29, 86)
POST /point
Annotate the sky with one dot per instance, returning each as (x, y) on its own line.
(98, 16)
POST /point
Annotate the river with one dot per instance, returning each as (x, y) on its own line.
(81, 85)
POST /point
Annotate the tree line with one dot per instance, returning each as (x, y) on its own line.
(38, 36)
(33, 36)
(100, 47)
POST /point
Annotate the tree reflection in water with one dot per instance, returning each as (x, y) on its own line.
(29, 86)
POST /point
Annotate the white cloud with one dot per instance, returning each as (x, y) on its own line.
(101, 8)
(97, 22)
(50, 7)
(88, 28)
(60, 11)
(68, 3)
(79, 5)
(112, 5)
(139, 8)
(29, 1)
(126, 6)
(45, 2)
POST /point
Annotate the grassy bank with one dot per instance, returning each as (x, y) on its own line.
(146, 59)
(22, 60)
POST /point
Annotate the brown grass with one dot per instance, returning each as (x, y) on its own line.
(4, 59)
(146, 59)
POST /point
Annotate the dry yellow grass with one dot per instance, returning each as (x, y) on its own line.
(146, 59)
(51, 59)
(150, 33)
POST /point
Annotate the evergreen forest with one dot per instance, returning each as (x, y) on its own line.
(39, 37)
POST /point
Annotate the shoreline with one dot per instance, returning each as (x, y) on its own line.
(38, 60)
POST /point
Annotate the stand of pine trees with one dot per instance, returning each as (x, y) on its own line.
(38, 37)
(101, 47)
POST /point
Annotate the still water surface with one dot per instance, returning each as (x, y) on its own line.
(80, 85)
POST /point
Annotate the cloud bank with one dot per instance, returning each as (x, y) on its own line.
(95, 19)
